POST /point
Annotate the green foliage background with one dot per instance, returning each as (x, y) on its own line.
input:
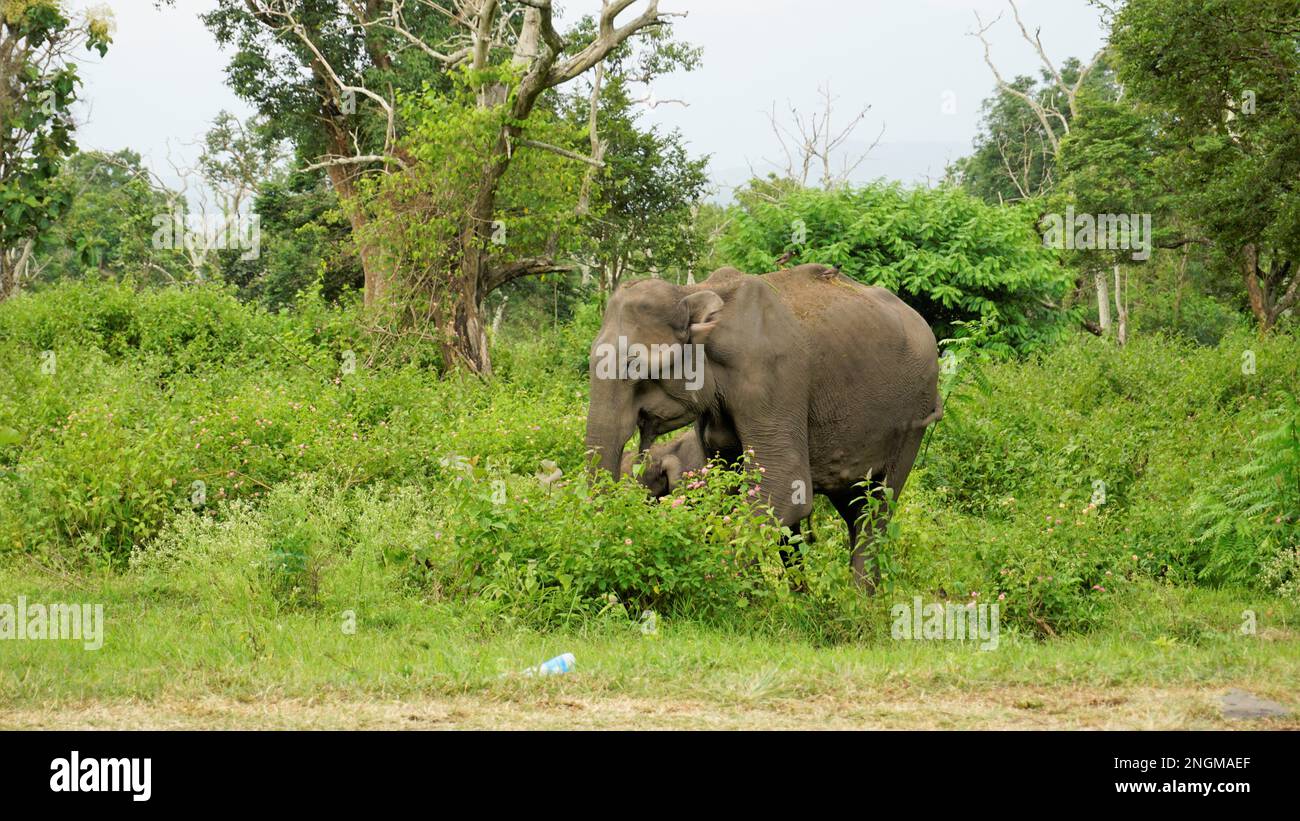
(952, 257)
(317, 475)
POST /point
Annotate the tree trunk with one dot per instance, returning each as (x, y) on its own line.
(1179, 281)
(343, 179)
(8, 276)
(1121, 309)
(1272, 292)
(1103, 301)
(1254, 289)
(467, 342)
(13, 264)
(469, 333)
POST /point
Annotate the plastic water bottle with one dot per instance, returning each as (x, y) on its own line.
(553, 667)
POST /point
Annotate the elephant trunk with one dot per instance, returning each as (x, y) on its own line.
(611, 421)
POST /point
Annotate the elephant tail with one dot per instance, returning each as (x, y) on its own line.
(935, 416)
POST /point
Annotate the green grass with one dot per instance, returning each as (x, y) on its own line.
(164, 647)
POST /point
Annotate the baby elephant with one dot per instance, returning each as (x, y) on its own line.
(666, 462)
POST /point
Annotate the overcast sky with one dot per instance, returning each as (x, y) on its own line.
(163, 79)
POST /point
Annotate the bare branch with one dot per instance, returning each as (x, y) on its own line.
(563, 152)
(532, 266)
(608, 37)
(1044, 117)
(814, 140)
(361, 159)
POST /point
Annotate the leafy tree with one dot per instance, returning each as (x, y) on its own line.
(1226, 74)
(1107, 169)
(305, 238)
(645, 224)
(1015, 155)
(373, 58)
(108, 226)
(1108, 163)
(38, 84)
(419, 215)
(640, 204)
(952, 257)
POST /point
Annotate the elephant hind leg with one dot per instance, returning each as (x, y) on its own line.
(883, 492)
(790, 553)
(851, 504)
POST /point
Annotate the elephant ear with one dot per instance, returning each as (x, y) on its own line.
(697, 315)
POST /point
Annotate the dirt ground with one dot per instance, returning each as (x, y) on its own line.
(1009, 708)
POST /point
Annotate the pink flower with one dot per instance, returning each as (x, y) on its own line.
(679, 501)
(627, 541)
(1002, 596)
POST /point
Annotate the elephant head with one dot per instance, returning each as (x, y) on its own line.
(650, 373)
(665, 462)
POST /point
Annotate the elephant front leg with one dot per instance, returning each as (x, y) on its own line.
(786, 486)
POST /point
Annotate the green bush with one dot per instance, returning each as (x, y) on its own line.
(326, 487)
(1025, 449)
(951, 256)
(1251, 521)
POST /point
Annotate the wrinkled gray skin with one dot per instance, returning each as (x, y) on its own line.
(827, 380)
(665, 463)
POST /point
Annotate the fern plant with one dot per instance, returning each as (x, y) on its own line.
(1252, 523)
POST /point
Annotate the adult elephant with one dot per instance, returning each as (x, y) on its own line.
(826, 380)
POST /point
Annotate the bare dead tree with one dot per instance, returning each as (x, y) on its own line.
(1050, 115)
(811, 141)
(1054, 113)
(1121, 307)
(201, 212)
(1022, 173)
